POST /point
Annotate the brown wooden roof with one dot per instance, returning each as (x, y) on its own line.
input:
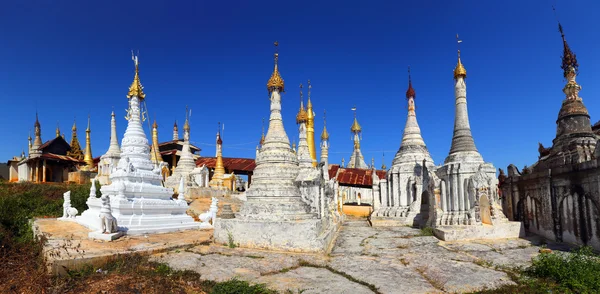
(52, 156)
(243, 165)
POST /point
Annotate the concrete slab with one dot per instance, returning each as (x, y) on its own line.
(68, 245)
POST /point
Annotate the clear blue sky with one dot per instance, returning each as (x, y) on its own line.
(71, 58)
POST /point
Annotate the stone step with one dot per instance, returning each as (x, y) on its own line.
(356, 223)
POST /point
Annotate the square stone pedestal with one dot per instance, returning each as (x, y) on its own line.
(105, 237)
(307, 235)
(497, 231)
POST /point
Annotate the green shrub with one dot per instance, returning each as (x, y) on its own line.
(235, 286)
(427, 231)
(20, 202)
(578, 271)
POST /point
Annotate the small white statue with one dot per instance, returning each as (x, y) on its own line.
(66, 203)
(181, 190)
(93, 188)
(109, 222)
(210, 215)
(68, 210)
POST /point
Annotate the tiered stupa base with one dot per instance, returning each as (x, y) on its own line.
(276, 223)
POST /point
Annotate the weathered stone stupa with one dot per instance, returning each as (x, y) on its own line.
(138, 201)
(186, 163)
(468, 206)
(110, 159)
(404, 195)
(275, 216)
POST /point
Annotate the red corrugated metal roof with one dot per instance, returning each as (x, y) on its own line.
(357, 176)
(232, 164)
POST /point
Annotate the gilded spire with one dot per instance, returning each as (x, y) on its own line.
(89, 160)
(310, 128)
(219, 171)
(75, 151)
(302, 116)
(383, 167)
(324, 134)
(155, 156)
(275, 82)
(355, 128)
(186, 125)
(136, 88)
(459, 70)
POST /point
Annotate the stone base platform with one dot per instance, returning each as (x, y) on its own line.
(466, 232)
(68, 245)
(305, 235)
(98, 235)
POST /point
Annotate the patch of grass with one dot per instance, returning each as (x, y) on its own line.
(343, 274)
(483, 263)
(427, 231)
(254, 256)
(242, 287)
(578, 271)
(575, 272)
(230, 243)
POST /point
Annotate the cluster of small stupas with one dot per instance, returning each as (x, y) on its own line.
(296, 202)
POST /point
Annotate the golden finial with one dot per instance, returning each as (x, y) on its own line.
(301, 117)
(154, 125)
(275, 82)
(57, 129)
(186, 125)
(383, 167)
(324, 134)
(74, 128)
(136, 88)
(355, 128)
(460, 69)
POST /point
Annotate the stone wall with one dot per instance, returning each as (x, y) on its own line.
(558, 203)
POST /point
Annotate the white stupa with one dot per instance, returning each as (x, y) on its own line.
(138, 200)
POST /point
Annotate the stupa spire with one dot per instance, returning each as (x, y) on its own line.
(459, 70)
(154, 152)
(324, 141)
(310, 128)
(75, 151)
(219, 172)
(89, 160)
(304, 156)
(136, 88)
(175, 132)
(37, 141)
(412, 148)
(356, 160)
(29, 141)
(276, 82)
(463, 144)
(114, 148)
(302, 116)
